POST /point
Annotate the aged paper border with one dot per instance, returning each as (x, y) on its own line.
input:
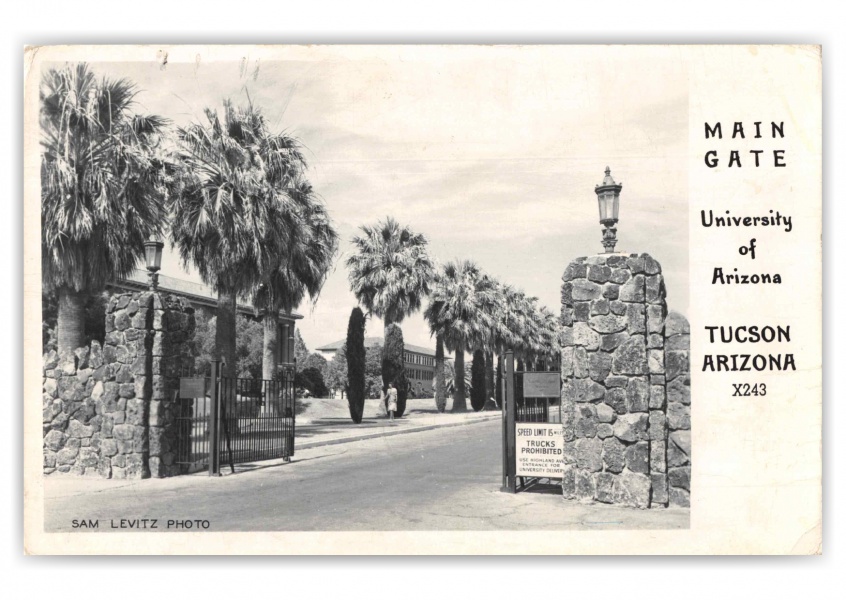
(801, 534)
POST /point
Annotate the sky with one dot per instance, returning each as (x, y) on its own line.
(492, 153)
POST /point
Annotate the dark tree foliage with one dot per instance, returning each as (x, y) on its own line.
(373, 371)
(356, 362)
(335, 374)
(203, 339)
(249, 335)
(393, 366)
(315, 360)
(311, 379)
(498, 396)
(300, 350)
(477, 381)
(248, 347)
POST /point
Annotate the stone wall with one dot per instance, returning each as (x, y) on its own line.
(108, 410)
(614, 392)
(677, 354)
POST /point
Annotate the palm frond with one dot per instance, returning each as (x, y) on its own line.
(106, 178)
(390, 271)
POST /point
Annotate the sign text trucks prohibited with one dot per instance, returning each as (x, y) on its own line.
(540, 449)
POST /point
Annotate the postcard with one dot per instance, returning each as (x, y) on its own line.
(423, 299)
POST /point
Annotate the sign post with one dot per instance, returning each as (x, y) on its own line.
(504, 386)
(214, 422)
(532, 436)
(509, 457)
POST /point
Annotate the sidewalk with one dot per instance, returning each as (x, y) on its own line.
(320, 427)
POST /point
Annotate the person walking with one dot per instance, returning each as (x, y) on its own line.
(390, 398)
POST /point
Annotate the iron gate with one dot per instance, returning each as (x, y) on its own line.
(257, 419)
(234, 421)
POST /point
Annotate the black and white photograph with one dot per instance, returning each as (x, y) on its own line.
(383, 288)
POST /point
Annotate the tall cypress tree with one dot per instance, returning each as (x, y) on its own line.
(393, 366)
(355, 364)
(477, 381)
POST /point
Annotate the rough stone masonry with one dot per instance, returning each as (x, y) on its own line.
(110, 410)
(626, 385)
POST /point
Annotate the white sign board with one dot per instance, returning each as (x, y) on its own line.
(540, 449)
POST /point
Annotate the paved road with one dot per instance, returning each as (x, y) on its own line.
(445, 479)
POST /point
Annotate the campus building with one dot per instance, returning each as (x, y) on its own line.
(419, 362)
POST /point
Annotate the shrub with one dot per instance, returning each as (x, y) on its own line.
(312, 379)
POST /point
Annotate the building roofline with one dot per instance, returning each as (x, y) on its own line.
(196, 293)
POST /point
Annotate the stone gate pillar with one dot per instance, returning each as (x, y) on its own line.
(170, 355)
(110, 409)
(613, 396)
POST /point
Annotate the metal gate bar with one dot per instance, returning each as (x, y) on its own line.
(236, 420)
(259, 418)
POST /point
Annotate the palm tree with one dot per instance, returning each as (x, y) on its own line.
(104, 188)
(457, 310)
(494, 309)
(295, 269)
(431, 314)
(235, 200)
(504, 316)
(449, 377)
(440, 382)
(521, 325)
(547, 340)
(390, 271)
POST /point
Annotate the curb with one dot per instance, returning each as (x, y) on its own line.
(369, 436)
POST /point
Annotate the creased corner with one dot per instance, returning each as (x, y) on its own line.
(810, 542)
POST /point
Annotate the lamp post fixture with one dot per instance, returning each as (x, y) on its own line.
(153, 254)
(608, 197)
